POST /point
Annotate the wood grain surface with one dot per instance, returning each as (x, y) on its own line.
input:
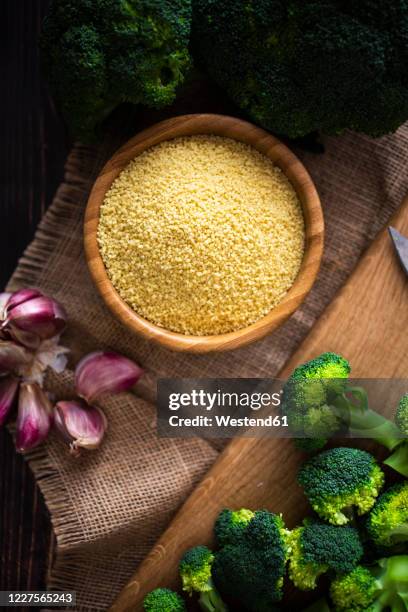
(33, 149)
(269, 146)
(367, 323)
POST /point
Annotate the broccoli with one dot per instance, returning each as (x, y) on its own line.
(163, 600)
(316, 548)
(195, 572)
(381, 587)
(401, 417)
(296, 67)
(398, 461)
(230, 525)
(98, 54)
(319, 403)
(387, 523)
(338, 479)
(251, 569)
(307, 396)
(354, 592)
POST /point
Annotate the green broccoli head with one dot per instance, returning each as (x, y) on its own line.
(307, 396)
(339, 479)
(401, 417)
(387, 523)
(381, 587)
(230, 525)
(251, 569)
(163, 600)
(99, 54)
(195, 570)
(316, 548)
(302, 66)
(354, 592)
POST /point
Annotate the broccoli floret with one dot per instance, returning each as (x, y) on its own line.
(195, 572)
(319, 403)
(354, 592)
(296, 67)
(316, 548)
(307, 395)
(338, 479)
(99, 54)
(387, 523)
(373, 589)
(230, 525)
(401, 417)
(251, 569)
(163, 600)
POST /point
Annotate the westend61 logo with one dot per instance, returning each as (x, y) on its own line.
(271, 407)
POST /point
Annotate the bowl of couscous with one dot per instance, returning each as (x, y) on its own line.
(203, 233)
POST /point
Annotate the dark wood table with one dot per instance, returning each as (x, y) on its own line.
(34, 146)
(33, 149)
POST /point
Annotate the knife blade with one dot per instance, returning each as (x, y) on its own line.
(401, 246)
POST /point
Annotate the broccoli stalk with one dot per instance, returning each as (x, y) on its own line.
(360, 419)
(195, 572)
(373, 589)
(398, 461)
(163, 600)
(316, 548)
(387, 523)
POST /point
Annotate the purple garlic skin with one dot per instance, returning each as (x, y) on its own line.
(8, 393)
(12, 355)
(4, 298)
(101, 372)
(41, 316)
(81, 425)
(34, 417)
(21, 296)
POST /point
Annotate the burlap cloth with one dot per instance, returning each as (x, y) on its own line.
(108, 507)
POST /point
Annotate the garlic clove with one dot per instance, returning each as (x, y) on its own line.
(34, 417)
(4, 298)
(21, 296)
(81, 425)
(12, 356)
(105, 372)
(41, 315)
(28, 339)
(8, 392)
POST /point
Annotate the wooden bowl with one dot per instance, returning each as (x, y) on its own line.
(243, 131)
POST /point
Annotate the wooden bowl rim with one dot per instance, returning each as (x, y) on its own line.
(271, 147)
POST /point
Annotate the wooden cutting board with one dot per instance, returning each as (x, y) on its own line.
(367, 323)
